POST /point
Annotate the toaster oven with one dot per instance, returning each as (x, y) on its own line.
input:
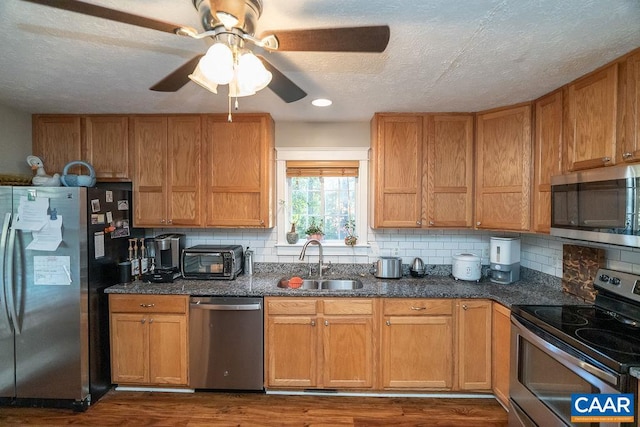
(212, 262)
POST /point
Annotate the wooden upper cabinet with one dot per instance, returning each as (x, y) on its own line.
(102, 141)
(239, 171)
(57, 141)
(448, 199)
(184, 170)
(396, 170)
(547, 157)
(149, 189)
(105, 145)
(167, 171)
(590, 114)
(503, 169)
(629, 147)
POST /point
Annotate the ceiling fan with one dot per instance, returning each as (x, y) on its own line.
(233, 22)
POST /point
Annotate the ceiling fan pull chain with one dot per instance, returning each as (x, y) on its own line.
(229, 119)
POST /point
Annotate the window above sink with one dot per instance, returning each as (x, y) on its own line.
(357, 196)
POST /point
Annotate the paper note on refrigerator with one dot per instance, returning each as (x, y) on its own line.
(51, 270)
(98, 243)
(49, 237)
(32, 214)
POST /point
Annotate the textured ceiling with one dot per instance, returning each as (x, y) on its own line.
(443, 55)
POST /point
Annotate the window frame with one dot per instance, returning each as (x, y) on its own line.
(360, 154)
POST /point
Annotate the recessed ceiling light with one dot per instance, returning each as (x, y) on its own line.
(321, 102)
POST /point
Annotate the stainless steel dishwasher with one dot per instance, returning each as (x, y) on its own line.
(226, 343)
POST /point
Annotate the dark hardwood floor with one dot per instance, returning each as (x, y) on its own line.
(119, 408)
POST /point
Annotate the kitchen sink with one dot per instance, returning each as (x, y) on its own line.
(324, 284)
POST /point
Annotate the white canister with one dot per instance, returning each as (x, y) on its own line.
(466, 267)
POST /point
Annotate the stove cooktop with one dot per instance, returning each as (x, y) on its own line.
(603, 335)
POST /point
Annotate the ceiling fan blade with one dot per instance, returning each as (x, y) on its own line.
(180, 77)
(110, 14)
(348, 39)
(281, 85)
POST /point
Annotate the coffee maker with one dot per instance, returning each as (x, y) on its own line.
(505, 259)
(167, 249)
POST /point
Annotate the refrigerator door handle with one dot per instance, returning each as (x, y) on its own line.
(4, 284)
(12, 286)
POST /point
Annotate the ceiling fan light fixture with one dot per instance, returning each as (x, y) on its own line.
(251, 73)
(217, 64)
(236, 90)
(199, 78)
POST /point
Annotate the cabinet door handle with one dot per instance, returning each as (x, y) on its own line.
(162, 221)
(464, 307)
(326, 323)
(478, 223)
(418, 308)
(606, 159)
(147, 305)
(388, 322)
(313, 323)
(627, 155)
(432, 223)
(150, 320)
(143, 320)
(169, 221)
(418, 222)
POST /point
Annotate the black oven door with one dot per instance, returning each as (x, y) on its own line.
(544, 376)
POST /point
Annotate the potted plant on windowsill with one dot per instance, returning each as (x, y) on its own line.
(350, 227)
(314, 230)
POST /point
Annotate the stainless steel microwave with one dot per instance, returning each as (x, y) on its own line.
(210, 262)
(600, 205)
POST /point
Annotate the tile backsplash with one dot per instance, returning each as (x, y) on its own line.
(538, 252)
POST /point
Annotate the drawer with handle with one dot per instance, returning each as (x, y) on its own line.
(417, 307)
(148, 303)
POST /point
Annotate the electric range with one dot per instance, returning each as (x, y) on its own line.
(559, 350)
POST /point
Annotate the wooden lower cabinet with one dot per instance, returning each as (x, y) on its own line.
(149, 339)
(402, 344)
(417, 344)
(474, 344)
(501, 341)
(320, 343)
(291, 342)
(348, 343)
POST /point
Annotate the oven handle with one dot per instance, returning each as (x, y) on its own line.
(563, 356)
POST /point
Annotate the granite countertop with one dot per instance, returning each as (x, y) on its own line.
(531, 289)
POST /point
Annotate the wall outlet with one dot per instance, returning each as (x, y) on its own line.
(395, 252)
(486, 253)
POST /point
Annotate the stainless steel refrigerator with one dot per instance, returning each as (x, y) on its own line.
(54, 320)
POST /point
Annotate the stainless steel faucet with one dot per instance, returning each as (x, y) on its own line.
(320, 258)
